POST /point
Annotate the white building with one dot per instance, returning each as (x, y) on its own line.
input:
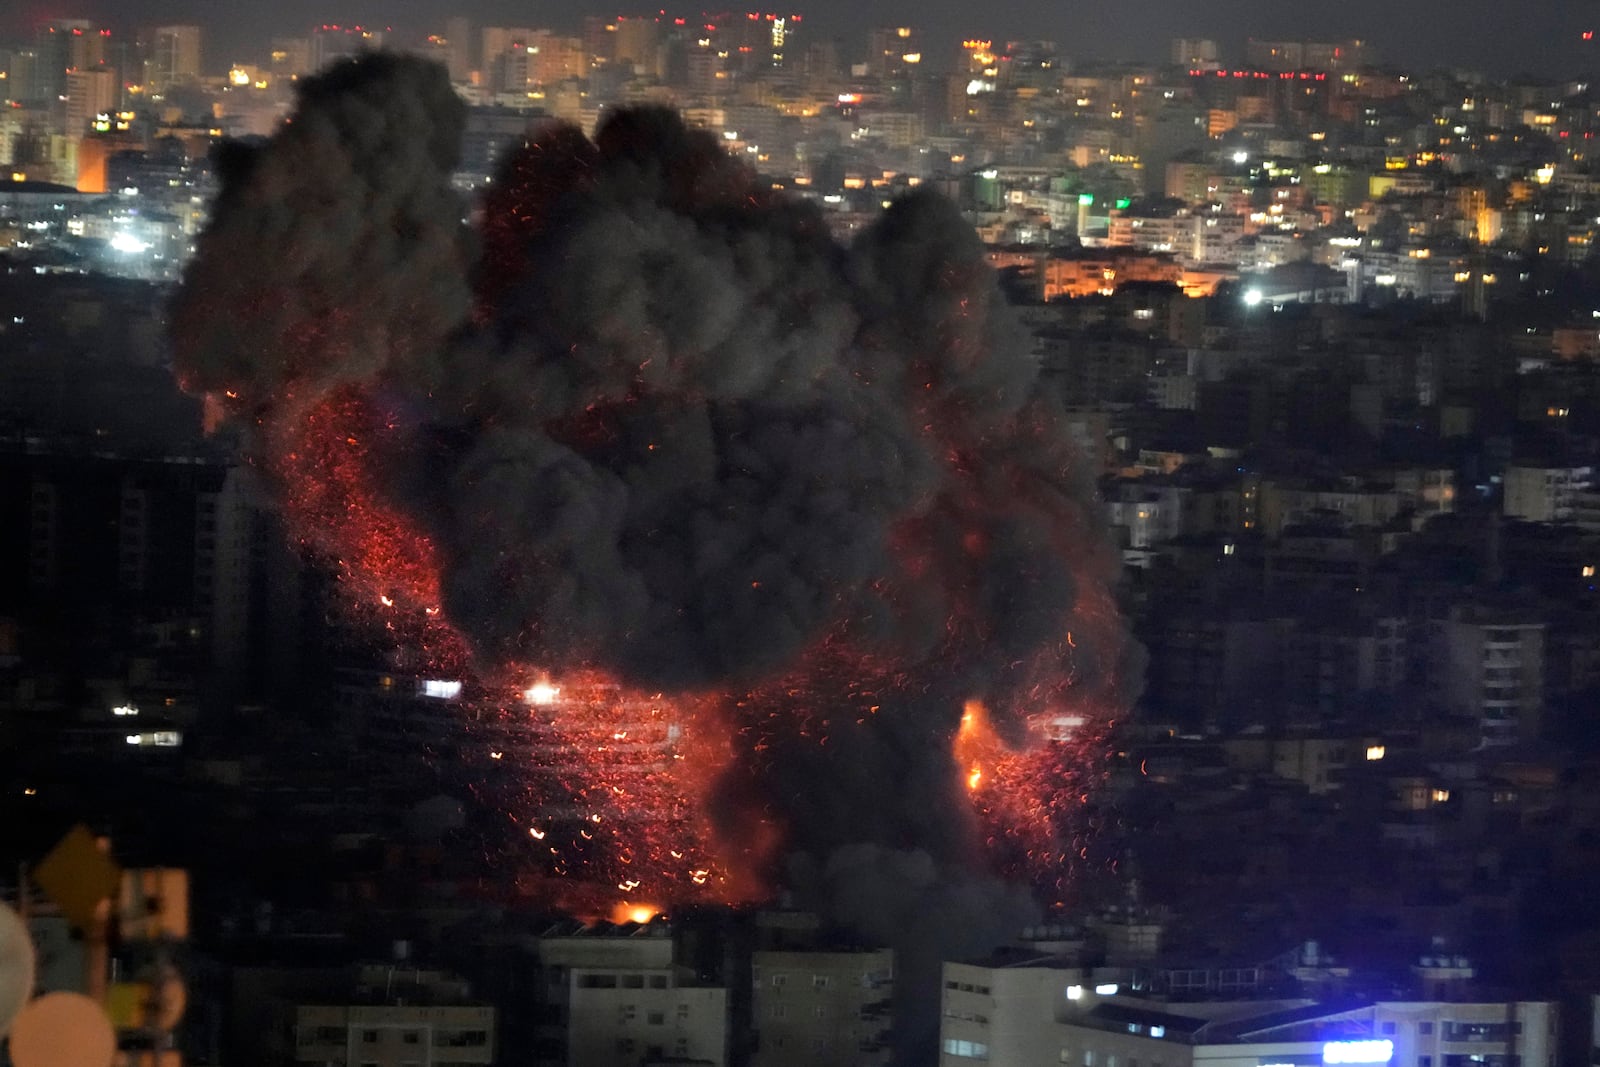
(1150, 514)
(616, 999)
(1011, 1017)
(1004, 1014)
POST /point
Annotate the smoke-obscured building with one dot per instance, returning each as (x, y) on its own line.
(329, 43)
(821, 1007)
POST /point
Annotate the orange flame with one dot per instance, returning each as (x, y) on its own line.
(626, 912)
(977, 746)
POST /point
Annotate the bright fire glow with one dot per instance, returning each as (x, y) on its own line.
(541, 693)
(624, 912)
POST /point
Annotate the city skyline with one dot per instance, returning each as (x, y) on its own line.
(755, 541)
(1500, 40)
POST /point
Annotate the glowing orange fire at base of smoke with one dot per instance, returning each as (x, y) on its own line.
(652, 839)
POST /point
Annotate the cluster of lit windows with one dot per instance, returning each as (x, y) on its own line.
(972, 1050)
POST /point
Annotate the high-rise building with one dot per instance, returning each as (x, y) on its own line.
(508, 58)
(89, 93)
(821, 60)
(174, 57)
(21, 67)
(890, 50)
(459, 55)
(290, 57)
(599, 40)
(63, 45)
(330, 43)
(636, 41)
(1336, 55)
(1196, 53)
(1274, 55)
(757, 41)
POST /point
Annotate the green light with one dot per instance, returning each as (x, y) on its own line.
(1123, 202)
(1085, 199)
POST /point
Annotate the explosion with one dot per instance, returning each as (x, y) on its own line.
(771, 558)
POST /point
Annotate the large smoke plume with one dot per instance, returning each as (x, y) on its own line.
(654, 420)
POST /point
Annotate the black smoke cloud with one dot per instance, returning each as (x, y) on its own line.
(677, 441)
(658, 421)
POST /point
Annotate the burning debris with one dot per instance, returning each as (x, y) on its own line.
(648, 426)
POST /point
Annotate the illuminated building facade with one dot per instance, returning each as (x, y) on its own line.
(1038, 1014)
(890, 52)
(89, 93)
(1093, 274)
(757, 41)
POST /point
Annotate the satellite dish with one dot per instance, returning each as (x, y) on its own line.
(63, 1030)
(16, 967)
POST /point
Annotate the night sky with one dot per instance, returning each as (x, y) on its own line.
(1497, 37)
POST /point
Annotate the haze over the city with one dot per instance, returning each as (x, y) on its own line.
(1497, 38)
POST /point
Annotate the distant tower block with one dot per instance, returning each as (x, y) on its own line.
(1196, 53)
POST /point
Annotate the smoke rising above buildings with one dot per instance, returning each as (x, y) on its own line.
(649, 419)
(680, 438)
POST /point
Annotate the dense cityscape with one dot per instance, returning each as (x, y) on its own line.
(1281, 659)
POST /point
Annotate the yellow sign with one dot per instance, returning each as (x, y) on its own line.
(78, 875)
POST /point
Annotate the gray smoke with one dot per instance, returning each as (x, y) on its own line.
(337, 254)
